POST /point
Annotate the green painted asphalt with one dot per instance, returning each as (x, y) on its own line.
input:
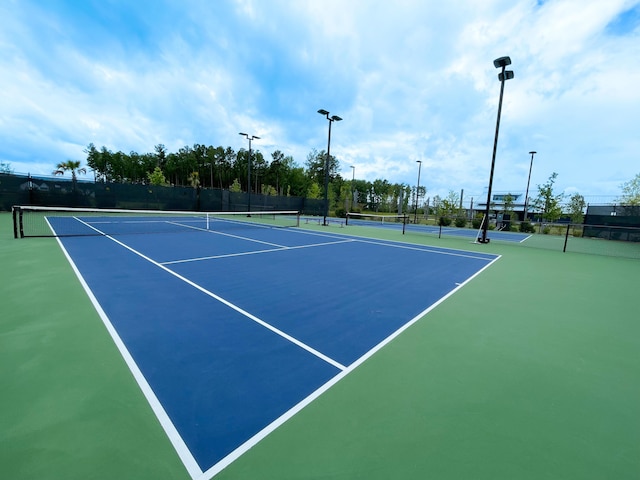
(530, 371)
(69, 407)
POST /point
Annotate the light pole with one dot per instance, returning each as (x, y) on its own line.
(415, 215)
(526, 195)
(353, 180)
(501, 62)
(333, 118)
(249, 137)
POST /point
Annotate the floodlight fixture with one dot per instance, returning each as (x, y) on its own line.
(508, 75)
(502, 62)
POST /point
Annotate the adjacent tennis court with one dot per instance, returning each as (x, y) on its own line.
(403, 222)
(265, 351)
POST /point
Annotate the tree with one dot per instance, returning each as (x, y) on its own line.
(507, 209)
(5, 167)
(316, 166)
(449, 206)
(547, 202)
(95, 162)
(298, 182)
(157, 177)
(576, 208)
(379, 192)
(72, 166)
(258, 167)
(194, 179)
(160, 155)
(314, 191)
(235, 186)
(631, 192)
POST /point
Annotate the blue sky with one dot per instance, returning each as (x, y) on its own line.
(413, 80)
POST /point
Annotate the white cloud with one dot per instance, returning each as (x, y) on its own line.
(413, 80)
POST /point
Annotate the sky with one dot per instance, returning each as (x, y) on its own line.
(413, 80)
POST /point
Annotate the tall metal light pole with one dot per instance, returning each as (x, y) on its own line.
(526, 195)
(415, 215)
(353, 180)
(249, 137)
(333, 118)
(501, 62)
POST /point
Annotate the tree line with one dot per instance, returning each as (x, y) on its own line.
(202, 166)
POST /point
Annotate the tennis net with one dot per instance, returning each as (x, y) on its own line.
(36, 221)
(372, 219)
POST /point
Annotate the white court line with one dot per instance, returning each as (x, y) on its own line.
(526, 238)
(254, 252)
(268, 326)
(400, 244)
(404, 245)
(229, 234)
(428, 250)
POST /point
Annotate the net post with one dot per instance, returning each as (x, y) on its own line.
(404, 223)
(21, 222)
(566, 237)
(346, 221)
(14, 213)
(298, 219)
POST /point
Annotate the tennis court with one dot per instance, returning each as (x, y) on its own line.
(402, 222)
(249, 345)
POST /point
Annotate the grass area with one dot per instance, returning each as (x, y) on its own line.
(530, 372)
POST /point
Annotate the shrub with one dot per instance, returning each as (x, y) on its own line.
(476, 222)
(546, 230)
(340, 212)
(462, 222)
(444, 221)
(526, 227)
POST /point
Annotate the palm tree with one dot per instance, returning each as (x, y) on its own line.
(70, 165)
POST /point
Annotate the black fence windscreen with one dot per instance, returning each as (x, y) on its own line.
(62, 192)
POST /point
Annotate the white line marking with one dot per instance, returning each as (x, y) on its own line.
(398, 244)
(429, 250)
(254, 252)
(215, 232)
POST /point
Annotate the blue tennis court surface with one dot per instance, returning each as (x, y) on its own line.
(229, 333)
